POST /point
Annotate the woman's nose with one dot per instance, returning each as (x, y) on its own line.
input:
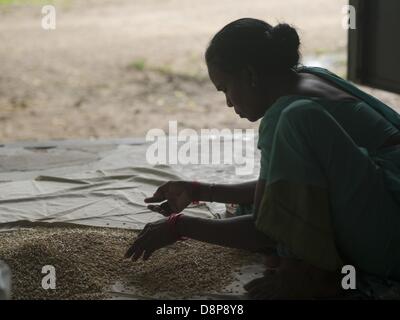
(228, 102)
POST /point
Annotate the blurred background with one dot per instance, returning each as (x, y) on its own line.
(118, 68)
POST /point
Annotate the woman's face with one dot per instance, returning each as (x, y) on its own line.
(240, 92)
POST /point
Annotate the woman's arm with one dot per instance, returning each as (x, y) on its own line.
(242, 193)
(238, 232)
(177, 195)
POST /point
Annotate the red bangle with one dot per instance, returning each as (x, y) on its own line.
(172, 219)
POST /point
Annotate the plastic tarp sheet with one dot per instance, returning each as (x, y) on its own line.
(102, 198)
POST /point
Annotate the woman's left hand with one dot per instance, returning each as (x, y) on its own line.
(154, 236)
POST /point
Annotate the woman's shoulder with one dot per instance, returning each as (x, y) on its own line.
(271, 118)
(282, 104)
(289, 101)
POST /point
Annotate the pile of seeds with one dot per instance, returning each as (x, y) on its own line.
(88, 261)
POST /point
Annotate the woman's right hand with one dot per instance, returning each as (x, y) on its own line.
(174, 195)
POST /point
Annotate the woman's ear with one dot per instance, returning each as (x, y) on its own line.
(250, 76)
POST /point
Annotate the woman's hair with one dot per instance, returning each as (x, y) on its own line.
(253, 42)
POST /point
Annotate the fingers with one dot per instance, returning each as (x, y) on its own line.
(140, 246)
(155, 208)
(137, 248)
(130, 251)
(163, 208)
(147, 254)
(136, 251)
(158, 196)
(154, 198)
(177, 199)
(166, 207)
(137, 254)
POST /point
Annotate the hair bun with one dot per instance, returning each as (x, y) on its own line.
(287, 41)
(248, 41)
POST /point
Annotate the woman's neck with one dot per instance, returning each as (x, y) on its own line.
(284, 85)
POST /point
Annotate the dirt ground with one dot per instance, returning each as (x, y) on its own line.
(119, 68)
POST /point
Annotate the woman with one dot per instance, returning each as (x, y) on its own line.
(328, 192)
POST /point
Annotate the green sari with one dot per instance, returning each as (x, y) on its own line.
(327, 200)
